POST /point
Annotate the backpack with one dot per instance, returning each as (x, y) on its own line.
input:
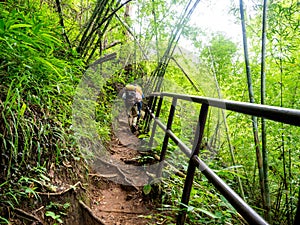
(130, 96)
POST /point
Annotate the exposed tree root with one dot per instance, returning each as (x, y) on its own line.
(27, 216)
(121, 211)
(90, 212)
(103, 175)
(72, 187)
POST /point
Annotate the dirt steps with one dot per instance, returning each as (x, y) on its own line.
(115, 194)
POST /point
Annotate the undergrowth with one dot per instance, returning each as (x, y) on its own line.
(39, 74)
(36, 89)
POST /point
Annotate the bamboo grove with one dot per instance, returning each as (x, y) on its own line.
(46, 46)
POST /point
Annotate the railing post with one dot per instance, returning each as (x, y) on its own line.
(166, 138)
(191, 168)
(151, 107)
(155, 124)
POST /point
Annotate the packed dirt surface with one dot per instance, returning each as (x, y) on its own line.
(116, 192)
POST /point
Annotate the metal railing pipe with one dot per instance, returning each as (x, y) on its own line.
(279, 114)
(180, 144)
(233, 198)
(174, 138)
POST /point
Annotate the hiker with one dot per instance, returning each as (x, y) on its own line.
(133, 97)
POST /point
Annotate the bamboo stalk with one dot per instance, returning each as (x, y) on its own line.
(251, 98)
(61, 21)
(263, 123)
(231, 150)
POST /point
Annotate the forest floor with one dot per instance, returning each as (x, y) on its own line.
(116, 192)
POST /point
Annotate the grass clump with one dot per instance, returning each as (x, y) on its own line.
(37, 83)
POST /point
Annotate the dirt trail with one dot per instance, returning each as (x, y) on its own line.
(116, 194)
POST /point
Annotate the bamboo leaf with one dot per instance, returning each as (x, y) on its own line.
(20, 25)
(208, 213)
(2, 27)
(23, 108)
(3, 220)
(50, 38)
(147, 189)
(48, 64)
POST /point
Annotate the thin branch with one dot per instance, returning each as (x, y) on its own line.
(131, 33)
(61, 21)
(186, 75)
(113, 44)
(231, 149)
(155, 30)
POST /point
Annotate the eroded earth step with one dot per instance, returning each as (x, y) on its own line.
(115, 193)
(116, 204)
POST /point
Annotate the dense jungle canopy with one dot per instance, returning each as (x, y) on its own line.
(64, 64)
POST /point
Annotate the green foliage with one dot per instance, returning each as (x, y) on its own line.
(39, 71)
(60, 211)
(37, 85)
(3, 220)
(282, 90)
(147, 189)
(55, 217)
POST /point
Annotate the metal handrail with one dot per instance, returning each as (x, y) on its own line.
(284, 115)
(279, 114)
